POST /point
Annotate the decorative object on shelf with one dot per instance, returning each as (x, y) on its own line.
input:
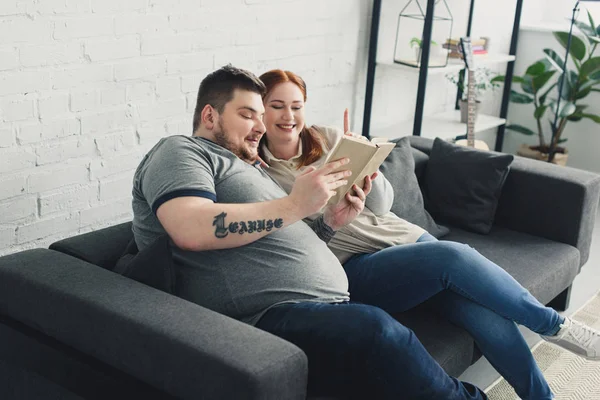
(467, 51)
(572, 86)
(480, 47)
(411, 20)
(417, 45)
(484, 81)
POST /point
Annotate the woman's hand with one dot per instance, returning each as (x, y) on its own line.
(347, 127)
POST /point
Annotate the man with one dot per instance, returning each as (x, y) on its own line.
(244, 251)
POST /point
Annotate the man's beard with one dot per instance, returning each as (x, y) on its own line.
(221, 137)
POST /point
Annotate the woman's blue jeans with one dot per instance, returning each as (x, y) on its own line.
(477, 295)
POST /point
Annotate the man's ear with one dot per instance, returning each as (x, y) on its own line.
(208, 117)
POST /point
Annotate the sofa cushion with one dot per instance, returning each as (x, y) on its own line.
(102, 247)
(152, 266)
(542, 266)
(399, 169)
(463, 185)
(451, 346)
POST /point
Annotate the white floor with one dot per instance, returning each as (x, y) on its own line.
(585, 286)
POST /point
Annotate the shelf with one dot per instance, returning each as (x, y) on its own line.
(446, 125)
(546, 27)
(454, 65)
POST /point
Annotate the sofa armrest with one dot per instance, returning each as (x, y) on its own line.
(550, 201)
(102, 247)
(174, 345)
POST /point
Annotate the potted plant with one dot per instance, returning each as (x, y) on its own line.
(416, 44)
(484, 81)
(537, 83)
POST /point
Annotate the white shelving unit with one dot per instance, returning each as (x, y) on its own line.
(454, 65)
(446, 125)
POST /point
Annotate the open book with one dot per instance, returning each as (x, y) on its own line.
(365, 158)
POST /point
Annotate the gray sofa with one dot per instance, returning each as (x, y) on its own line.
(72, 329)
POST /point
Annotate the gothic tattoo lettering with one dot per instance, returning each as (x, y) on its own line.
(222, 229)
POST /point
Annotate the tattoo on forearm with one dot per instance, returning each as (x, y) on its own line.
(222, 228)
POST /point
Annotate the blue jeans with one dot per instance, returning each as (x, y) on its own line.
(360, 351)
(474, 293)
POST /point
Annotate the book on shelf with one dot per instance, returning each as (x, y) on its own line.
(480, 47)
(475, 42)
(459, 56)
(365, 158)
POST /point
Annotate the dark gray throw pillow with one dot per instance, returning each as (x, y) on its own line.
(463, 185)
(152, 266)
(399, 169)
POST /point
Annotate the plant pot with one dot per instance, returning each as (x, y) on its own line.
(464, 111)
(560, 157)
(418, 55)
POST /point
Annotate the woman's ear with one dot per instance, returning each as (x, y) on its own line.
(208, 117)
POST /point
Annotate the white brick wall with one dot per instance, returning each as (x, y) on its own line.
(87, 86)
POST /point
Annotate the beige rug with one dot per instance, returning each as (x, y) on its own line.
(570, 377)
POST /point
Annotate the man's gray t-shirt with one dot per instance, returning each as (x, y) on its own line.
(288, 265)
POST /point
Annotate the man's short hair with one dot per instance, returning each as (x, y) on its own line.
(218, 87)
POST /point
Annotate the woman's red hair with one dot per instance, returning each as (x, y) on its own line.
(312, 140)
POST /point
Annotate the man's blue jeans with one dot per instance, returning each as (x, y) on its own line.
(358, 351)
(363, 350)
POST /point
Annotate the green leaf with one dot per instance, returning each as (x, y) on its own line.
(527, 84)
(577, 49)
(561, 141)
(583, 93)
(546, 63)
(502, 78)
(520, 129)
(567, 109)
(589, 67)
(520, 98)
(585, 28)
(594, 39)
(543, 97)
(593, 117)
(536, 68)
(540, 111)
(595, 76)
(541, 80)
(590, 19)
(574, 117)
(597, 30)
(588, 84)
(566, 88)
(556, 61)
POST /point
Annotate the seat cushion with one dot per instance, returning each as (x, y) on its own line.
(451, 346)
(542, 266)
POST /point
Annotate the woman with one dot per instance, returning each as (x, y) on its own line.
(396, 265)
